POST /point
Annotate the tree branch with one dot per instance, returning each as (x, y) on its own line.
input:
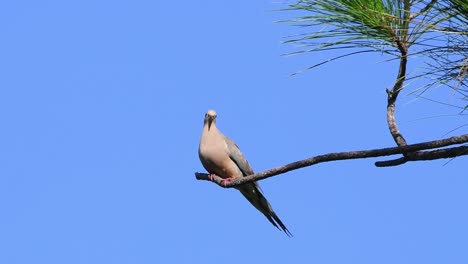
(427, 155)
(401, 43)
(462, 150)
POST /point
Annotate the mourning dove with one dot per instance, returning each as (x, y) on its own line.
(221, 156)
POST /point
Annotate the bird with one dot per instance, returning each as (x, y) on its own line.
(220, 156)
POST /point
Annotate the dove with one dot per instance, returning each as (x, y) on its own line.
(220, 156)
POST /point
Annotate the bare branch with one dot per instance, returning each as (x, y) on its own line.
(427, 155)
(391, 102)
(463, 150)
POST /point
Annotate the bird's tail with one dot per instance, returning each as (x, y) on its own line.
(252, 192)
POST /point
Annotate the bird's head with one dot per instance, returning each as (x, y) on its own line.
(210, 118)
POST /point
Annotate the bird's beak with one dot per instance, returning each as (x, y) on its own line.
(210, 121)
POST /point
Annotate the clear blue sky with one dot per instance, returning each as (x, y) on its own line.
(101, 110)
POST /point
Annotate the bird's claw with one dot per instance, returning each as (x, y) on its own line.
(224, 182)
(211, 176)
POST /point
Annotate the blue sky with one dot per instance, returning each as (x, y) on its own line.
(102, 105)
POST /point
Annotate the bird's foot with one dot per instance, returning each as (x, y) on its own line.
(226, 181)
(211, 176)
